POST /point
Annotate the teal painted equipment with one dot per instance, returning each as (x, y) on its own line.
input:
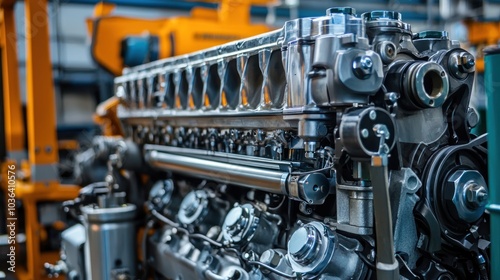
(492, 85)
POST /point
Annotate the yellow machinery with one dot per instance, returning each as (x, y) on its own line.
(482, 34)
(117, 39)
(36, 177)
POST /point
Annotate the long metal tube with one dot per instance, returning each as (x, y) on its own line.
(261, 179)
(492, 85)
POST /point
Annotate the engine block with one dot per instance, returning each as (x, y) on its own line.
(336, 147)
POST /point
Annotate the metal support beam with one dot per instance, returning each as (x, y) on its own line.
(14, 120)
(41, 111)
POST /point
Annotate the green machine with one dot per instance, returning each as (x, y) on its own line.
(492, 84)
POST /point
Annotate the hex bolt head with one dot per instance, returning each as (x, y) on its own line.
(270, 257)
(362, 66)
(466, 195)
(466, 62)
(477, 196)
(391, 97)
(366, 62)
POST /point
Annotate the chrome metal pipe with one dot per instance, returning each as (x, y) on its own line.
(256, 178)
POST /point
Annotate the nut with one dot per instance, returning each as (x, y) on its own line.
(467, 195)
(461, 64)
(362, 67)
(477, 196)
(270, 257)
(467, 62)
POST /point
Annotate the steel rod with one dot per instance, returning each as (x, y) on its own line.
(261, 179)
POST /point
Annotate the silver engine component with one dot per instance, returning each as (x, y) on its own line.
(99, 247)
(107, 230)
(336, 147)
(314, 249)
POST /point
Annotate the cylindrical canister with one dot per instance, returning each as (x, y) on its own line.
(110, 250)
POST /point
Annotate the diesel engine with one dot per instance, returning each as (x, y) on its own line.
(336, 147)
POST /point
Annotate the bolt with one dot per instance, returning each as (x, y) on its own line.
(472, 117)
(373, 115)
(270, 257)
(267, 256)
(466, 195)
(477, 196)
(365, 133)
(362, 67)
(466, 62)
(481, 259)
(461, 64)
(391, 96)
(366, 62)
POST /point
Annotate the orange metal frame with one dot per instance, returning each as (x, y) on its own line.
(482, 34)
(12, 98)
(36, 186)
(204, 28)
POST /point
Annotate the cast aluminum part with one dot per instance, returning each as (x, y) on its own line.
(200, 210)
(241, 224)
(315, 249)
(248, 226)
(174, 256)
(310, 248)
(343, 118)
(109, 232)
